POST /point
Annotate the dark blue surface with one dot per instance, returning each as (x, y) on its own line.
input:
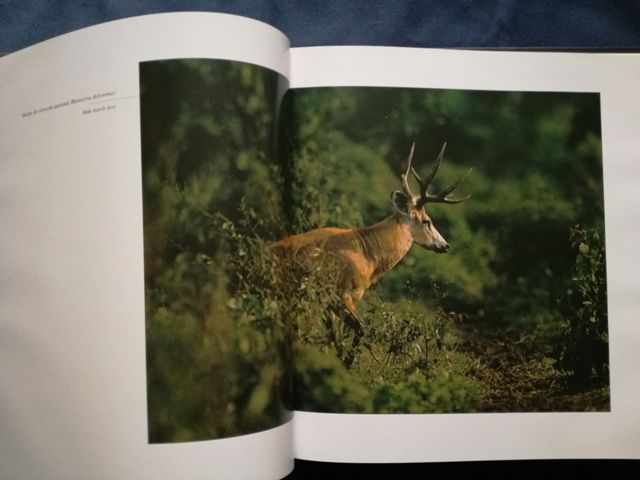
(562, 24)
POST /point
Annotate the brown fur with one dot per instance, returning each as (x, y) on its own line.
(360, 256)
(366, 253)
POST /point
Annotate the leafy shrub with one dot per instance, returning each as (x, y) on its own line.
(586, 342)
(215, 346)
(217, 341)
(440, 392)
(322, 384)
(410, 365)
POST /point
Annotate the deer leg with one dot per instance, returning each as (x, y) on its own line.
(355, 322)
(331, 321)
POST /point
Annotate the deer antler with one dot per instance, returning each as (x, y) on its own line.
(405, 176)
(442, 197)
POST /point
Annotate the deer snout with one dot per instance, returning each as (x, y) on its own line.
(437, 247)
(440, 245)
(442, 248)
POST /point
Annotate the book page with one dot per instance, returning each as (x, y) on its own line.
(118, 349)
(482, 208)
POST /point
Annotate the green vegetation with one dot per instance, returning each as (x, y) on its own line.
(215, 348)
(585, 352)
(413, 365)
(513, 318)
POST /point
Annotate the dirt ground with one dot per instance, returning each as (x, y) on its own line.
(520, 375)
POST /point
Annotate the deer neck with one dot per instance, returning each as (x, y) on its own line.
(385, 243)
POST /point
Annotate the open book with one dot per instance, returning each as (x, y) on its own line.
(220, 254)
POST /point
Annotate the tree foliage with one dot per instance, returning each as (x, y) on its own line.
(585, 350)
(216, 348)
(537, 171)
(513, 318)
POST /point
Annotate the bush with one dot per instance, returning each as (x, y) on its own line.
(586, 342)
(410, 364)
(217, 341)
(442, 392)
(322, 384)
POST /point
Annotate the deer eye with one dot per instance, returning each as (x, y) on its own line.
(426, 223)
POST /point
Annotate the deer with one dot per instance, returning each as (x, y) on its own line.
(361, 256)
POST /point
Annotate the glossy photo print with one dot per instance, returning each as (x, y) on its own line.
(216, 348)
(463, 236)
(366, 250)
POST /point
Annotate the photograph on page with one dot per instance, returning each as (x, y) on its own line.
(216, 346)
(448, 248)
(366, 250)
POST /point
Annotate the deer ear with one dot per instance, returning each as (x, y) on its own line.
(401, 203)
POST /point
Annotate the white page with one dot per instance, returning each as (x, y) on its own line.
(72, 328)
(450, 437)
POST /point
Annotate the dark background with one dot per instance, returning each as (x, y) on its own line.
(497, 24)
(566, 24)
